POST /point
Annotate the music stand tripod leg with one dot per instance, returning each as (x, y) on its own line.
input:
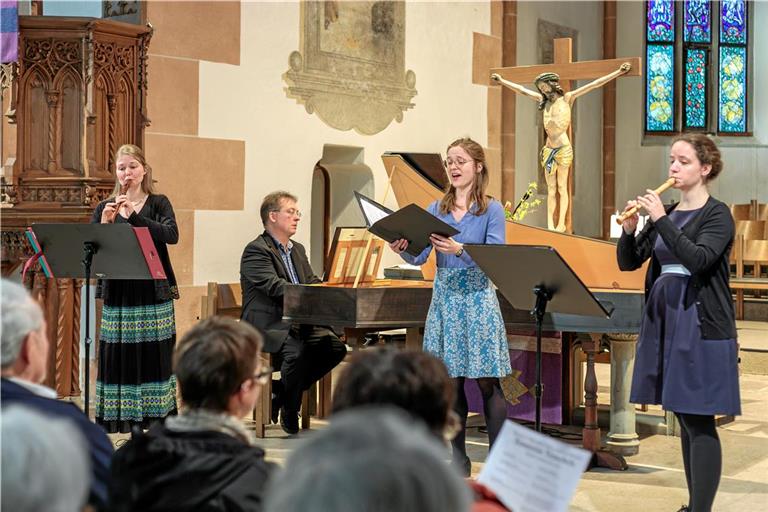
(89, 250)
(542, 297)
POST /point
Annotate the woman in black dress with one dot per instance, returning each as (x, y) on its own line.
(135, 385)
(686, 351)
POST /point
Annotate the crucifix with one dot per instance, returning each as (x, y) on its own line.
(555, 98)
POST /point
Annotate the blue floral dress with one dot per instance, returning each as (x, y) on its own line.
(464, 326)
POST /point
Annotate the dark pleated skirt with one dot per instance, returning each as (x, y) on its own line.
(135, 384)
(674, 366)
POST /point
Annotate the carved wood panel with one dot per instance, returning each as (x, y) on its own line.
(77, 92)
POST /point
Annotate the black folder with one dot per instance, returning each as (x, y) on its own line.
(412, 223)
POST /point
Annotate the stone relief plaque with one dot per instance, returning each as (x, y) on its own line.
(351, 68)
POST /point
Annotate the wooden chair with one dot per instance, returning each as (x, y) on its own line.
(752, 253)
(755, 254)
(225, 299)
(751, 229)
(742, 212)
(761, 211)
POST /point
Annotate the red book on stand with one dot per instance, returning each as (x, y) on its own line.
(150, 253)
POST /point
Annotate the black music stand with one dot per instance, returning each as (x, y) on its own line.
(516, 270)
(71, 250)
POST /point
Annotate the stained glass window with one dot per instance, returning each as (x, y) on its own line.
(733, 80)
(698, 49)
(661, 20)
(696, 88)
(697, 21)
(660, 91)
(733, 21)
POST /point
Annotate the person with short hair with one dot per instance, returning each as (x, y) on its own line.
(304, 353)
(414, 381)
(24, 346)
(134, 383)
(370, 459)
(44, 462)
(204, 458)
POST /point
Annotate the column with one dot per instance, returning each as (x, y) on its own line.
(622, 437)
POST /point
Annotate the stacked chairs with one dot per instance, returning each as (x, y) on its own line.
(749, 256)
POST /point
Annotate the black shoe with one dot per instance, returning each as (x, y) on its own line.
(464, 466)
(684, 508)
(290, 422)
(277, 400)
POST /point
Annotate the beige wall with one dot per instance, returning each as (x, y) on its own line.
(224, 134)
(283, 142)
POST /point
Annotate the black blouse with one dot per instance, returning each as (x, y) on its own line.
(157, 215)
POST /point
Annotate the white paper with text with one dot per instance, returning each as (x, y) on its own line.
(532, 472)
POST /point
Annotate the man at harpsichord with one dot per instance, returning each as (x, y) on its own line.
(304, 353)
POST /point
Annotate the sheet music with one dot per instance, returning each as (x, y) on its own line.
(372, 213)
(531, 472)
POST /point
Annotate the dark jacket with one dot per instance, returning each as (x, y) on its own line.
(158, 217)
(208, 471)
(263, 277)
(703, 246)
(96, 439)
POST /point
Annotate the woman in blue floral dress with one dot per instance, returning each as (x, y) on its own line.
(464, 327)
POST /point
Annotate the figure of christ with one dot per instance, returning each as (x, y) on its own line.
(557, 153)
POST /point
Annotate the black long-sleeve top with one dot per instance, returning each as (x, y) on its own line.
(158, 217)
(703, 246)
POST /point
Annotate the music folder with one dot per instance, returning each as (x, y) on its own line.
(412, 223)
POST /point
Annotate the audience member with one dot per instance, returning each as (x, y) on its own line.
(203, 459)
(369, 460)
(44, 462)
(24, 366)
(415, 382)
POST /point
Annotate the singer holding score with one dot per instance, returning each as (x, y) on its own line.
(134, 385)
(686, 351)
(464, 326)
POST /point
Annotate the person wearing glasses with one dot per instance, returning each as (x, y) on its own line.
(204, 458)
(304, 353)
(464, 326)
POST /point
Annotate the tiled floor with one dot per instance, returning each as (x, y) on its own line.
(655, 480)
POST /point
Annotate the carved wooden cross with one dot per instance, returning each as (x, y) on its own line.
(568, 70)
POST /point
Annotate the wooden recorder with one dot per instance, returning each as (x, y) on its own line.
(624, 216)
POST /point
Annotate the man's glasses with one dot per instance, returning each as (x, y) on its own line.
(262, 376)
(459, 162)
(292, 212)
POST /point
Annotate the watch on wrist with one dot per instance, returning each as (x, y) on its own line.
(459, 252)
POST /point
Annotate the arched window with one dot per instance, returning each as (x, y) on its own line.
(697, 52)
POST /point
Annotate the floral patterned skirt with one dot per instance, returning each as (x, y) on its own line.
(464, 327)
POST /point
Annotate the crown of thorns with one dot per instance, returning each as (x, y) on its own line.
(547, 77)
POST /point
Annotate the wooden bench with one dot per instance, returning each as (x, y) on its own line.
(225, 299)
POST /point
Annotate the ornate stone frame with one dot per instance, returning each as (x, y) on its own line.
(349, 92)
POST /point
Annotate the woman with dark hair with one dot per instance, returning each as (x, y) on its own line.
(135, 385)
(416, 382)
(464, 327)
(686, 351)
